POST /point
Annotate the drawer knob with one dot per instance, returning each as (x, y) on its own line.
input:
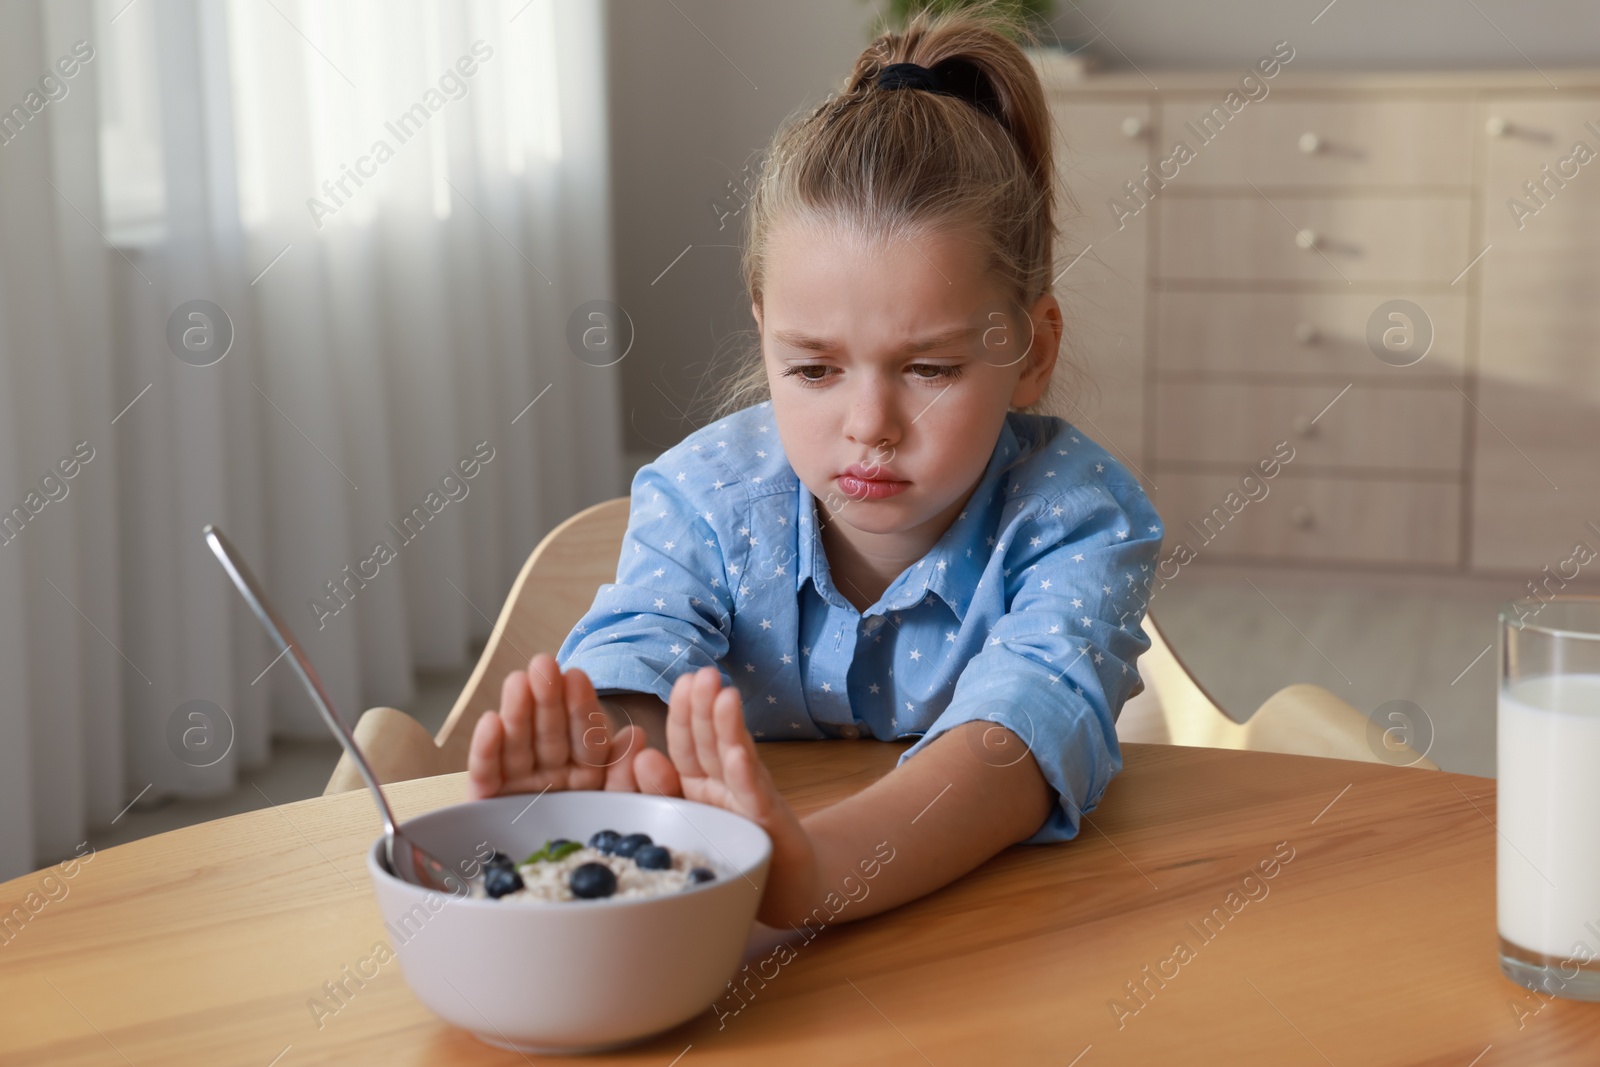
(1310, 143)
(1307, 239)
(1133, 126)
(1497, 126)
(1302, 516)
(1304, 425)
(1307, 334)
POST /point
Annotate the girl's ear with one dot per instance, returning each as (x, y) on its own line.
(1041, 361)
(755, 311)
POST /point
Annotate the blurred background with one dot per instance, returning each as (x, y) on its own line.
(439, 275)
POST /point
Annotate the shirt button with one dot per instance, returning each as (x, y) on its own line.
(849, 732)
(873, 623)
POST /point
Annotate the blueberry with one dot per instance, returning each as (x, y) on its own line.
(631, 844)
(499, 859)
(653, 858)
(591, 880)
(498, 881)
(702, 874)
(605, 840)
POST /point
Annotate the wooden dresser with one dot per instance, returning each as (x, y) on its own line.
(1243, 293)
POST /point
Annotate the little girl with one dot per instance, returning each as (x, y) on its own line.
(882, 536)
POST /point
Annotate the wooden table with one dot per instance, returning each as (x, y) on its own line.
(1373, 945)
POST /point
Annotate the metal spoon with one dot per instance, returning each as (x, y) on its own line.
(406, 860)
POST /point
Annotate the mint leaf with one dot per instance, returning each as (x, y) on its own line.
(553, 854)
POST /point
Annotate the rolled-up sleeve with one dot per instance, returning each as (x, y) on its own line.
(669, 609)
(1057, 667)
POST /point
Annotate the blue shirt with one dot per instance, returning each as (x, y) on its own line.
(1027, 611)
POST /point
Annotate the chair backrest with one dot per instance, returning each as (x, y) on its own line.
(1190, 714)
(555, 587)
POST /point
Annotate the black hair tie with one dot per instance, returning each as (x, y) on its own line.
(955, 77)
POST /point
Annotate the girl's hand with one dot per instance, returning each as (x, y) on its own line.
(550, 733)
(714, 761)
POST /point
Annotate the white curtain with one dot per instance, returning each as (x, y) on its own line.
(393, 310)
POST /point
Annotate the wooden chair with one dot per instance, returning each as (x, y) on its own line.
(557, 585)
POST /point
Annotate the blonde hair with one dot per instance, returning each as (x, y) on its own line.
(888, 164)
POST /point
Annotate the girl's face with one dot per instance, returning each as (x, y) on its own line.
(902, 358)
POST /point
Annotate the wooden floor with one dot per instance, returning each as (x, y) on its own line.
(1247, 633)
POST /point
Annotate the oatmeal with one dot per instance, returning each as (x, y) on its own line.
(609, 865)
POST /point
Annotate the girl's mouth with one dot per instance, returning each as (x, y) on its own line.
(869, 483)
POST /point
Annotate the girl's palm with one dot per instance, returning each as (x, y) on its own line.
(550, 733)
(713, 761)
(713, 758)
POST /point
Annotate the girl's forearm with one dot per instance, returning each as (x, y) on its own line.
(917, 829)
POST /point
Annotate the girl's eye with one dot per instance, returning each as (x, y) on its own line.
(940, 371)
(800, 372)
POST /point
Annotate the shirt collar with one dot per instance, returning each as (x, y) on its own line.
(951, 568)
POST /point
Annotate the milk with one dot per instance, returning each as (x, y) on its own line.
(1548, 852)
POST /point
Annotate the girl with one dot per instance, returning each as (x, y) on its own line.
(883, 535)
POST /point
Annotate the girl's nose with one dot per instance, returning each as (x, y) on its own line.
(874, 417)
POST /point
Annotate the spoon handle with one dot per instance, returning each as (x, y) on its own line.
(234, 564)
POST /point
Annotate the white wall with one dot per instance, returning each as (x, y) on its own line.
(698, 88)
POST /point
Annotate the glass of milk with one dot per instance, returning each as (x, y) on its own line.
(1547, 849)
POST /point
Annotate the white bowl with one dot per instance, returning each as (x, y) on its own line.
(581, 975)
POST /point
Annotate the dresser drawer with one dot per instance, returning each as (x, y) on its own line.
(1106, 138)
(1345, 143)
(1101, 268)
(1095, 155)
(1345, 520)
(1370, 425)
(1314, 239)
(1321, 333)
